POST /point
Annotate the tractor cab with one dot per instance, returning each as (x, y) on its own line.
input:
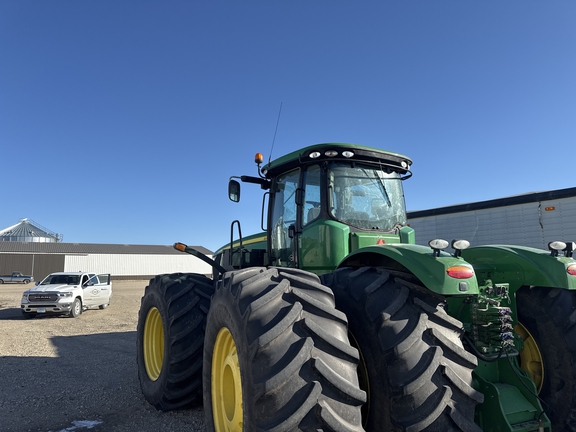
(326, 201)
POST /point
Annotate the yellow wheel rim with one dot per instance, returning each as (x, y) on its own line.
(153, 344)
(530, 357)
(226, 384)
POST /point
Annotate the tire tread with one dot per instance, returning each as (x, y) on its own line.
(183, 300)
(294, 344)
(420, 375)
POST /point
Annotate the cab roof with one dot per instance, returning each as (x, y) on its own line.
(337, 151)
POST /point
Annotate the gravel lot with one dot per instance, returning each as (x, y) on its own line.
(62, 374)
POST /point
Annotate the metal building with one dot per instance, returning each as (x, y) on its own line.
(122, 261)
(531, 219)
(29, 231)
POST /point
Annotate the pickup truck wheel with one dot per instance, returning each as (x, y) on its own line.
(414, 367)
(546, 323)
(76, 308)
(28, 315)
(1, 281)
(277, 356)
(170, 339)
(26, 281)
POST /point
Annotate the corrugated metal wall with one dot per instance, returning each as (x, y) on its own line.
(120, 266)
(10, 263)
(37, 265)
(531, 224)
(138, 266)
(502, 225)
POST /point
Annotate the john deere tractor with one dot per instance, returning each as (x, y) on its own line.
(333, 318)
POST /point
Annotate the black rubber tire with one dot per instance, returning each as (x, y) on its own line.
(1, 281)
(297, 368)
(76, 310)
(549, 315)
(26, 281)
(28, 315)
(183, 300)
(414, 367)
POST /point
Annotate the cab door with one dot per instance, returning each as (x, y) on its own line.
(284, 219)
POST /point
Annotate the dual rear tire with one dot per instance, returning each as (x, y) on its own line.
(269, 347)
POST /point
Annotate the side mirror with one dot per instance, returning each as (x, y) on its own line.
(234, 190)
(291, 231)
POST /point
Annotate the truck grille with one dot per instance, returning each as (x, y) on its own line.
(44, 297)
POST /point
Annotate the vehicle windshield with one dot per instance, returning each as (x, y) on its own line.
(61, 279)
(366, 197)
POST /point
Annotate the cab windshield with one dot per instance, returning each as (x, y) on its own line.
(366, 196)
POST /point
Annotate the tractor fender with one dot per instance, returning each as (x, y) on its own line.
(420, 261)
(521, 266)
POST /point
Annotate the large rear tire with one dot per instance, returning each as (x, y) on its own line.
(547, 323)
(277, 356)
(413, 365)
(170, 339)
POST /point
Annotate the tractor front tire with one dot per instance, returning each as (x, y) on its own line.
(547, 319)
(170, 339)
(277, 356)
(416, 372)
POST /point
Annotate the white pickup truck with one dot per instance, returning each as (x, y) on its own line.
(67, 293)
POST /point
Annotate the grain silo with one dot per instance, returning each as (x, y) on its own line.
(29, 231)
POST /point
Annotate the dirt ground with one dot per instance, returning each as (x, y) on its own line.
(63, 374)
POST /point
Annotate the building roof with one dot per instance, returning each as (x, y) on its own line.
(91, 248)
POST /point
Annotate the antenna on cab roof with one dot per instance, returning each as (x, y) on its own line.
(275, 130)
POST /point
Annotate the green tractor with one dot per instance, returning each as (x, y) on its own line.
(334, 319)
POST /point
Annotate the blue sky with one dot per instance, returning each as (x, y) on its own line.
(121, 121)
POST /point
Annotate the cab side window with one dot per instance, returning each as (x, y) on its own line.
(311, 209)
